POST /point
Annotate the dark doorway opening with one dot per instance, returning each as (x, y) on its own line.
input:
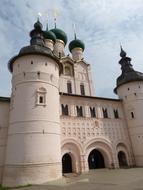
(122, 159)
(66, 163)
(95, 160)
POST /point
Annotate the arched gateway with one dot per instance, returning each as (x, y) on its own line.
(96, 159)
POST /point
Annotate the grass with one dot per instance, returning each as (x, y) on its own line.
(18, 187)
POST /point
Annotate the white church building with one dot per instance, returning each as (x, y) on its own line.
(54, 124)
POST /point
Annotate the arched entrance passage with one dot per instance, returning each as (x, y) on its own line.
(72, 148)
(95, 159)
(122, 159)
(66, 163)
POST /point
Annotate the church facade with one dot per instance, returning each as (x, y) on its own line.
(54, 124)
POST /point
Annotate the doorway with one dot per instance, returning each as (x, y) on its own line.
(66, 163)
(96, 159)
(122, 159)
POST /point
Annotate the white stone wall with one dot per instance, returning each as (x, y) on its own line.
(86, 133)
(4, 121)
(132, 96)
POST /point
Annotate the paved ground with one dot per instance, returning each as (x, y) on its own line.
(101, 179)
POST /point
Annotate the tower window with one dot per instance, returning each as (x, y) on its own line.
(38, 73)
(41, 96)
(31, 62)
(82, 90)
(41, 99)
(65, 110)
(79, 111)
(69, 87)
(92, 112)
(116, 114)
(132, 115)
(105, 113)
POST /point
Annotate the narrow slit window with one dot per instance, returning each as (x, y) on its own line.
(69, 88)
(82, 90)
(65, 110)
(105, 113)
(41, 99)
(116, 114)
(132, 115)
(79, 111)
(92, 112)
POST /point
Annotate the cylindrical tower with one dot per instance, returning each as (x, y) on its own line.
(130, 90)
(33, 154)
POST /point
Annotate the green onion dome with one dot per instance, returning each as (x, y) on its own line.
(49, 35)
(76, 44)
(60, 35)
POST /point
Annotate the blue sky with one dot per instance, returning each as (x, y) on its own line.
(101, 24)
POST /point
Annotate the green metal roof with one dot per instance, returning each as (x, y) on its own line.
(60, 34)
(49, 35)
(76, 44)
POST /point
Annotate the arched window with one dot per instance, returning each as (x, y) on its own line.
(105, 113)
(116, 115)
(82, 90)
(65, 110)
(79, 111)
(41, 96)
(92, 112)
(69, 87)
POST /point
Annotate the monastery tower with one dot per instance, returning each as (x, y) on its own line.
(130, 91)
(33, 152)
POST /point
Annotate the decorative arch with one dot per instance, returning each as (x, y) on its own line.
(104, 147)
(74, 150)
(70, 140)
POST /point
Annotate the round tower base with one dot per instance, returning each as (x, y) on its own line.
(31, 174)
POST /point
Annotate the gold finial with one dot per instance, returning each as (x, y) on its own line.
(55, 13)
(74, 29)
(47, 27)
(39, 15)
